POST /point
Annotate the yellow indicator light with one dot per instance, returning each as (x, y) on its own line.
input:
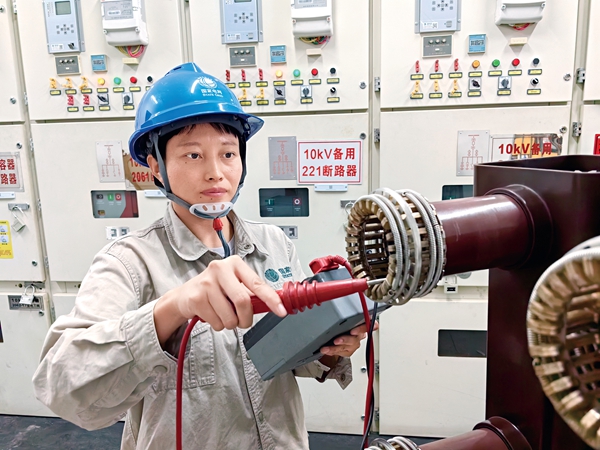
(476, 64)
(101, 81)
(244, 95)
(52, 83)
(262, 94)
(436, 86)
(279, 74)
(417, 87)
(69, 84)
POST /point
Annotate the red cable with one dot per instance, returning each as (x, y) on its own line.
(180, 361)
(340, 260)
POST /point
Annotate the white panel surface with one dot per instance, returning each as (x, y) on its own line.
(63, 303)
(552, 40)
(590, 128)
(322, 232)
(420, 393)
(164, 52)
(67, 173)
(9, 88)
(418, 148)
(328, 408)
(592, 65)
(347, 52)
(23, 333)
(27, 263)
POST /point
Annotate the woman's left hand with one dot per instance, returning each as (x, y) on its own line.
(347, 344)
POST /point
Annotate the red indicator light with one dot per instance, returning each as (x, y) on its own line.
(314, 72)
(417, 67)
(437, 65)
(456, 65)
(260, 74)
(243, 75)
(133, 80)
(227, 75)
(516, 62)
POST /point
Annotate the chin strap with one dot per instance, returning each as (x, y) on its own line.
(165, 188)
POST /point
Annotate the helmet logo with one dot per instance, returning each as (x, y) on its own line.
(207, 82)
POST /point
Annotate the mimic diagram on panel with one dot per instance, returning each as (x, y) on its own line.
(478, 147)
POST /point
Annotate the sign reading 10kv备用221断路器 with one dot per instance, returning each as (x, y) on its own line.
(329, 162)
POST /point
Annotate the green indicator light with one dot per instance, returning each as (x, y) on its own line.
(117, 80)
(296, 73)
(496, 63)
(111, 197)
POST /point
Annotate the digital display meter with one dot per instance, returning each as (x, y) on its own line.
(64, 26)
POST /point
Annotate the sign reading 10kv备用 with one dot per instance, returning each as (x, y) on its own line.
(329, 162)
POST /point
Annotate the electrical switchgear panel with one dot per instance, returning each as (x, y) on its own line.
(64, 28)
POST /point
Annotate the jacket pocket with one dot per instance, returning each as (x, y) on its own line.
(199, 364)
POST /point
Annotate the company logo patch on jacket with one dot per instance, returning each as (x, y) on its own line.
(273, 276)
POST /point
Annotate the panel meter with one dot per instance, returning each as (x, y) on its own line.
(435, 16)
(513, 12)
(64, 28)
(124, 22)
(241, 21)
(312, 18)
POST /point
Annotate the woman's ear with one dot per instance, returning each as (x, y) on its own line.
(153, 163)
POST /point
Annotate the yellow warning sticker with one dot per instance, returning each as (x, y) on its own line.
(6, 250)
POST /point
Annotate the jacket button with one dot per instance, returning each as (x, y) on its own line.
(160, 369)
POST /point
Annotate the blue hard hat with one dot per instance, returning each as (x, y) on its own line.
(184, 96)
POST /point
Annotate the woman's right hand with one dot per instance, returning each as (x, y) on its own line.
(220, 296)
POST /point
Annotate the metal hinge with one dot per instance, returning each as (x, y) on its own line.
(39, 205)
(14, 6)
(580, 75)
(25, 99)
(576, 129)
(377, 84)
(31, 145)
(46, 263)
(376, 135)
(377, 367)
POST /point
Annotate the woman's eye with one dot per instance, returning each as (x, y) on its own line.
(193, 155)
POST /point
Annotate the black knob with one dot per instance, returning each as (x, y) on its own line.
(150, 79)
(504, 83)
(536, 61)
(333, 90)
(475, 83)
(332, 71)
(305, 92)
(279, 91)
(535, 81)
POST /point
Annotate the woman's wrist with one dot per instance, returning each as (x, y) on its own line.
(167, 316)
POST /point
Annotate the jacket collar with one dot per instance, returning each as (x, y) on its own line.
(190, 248)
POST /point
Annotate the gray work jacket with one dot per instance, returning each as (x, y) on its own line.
(103, 361)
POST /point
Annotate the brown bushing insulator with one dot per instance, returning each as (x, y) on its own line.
(495, 433)
(503, 229)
